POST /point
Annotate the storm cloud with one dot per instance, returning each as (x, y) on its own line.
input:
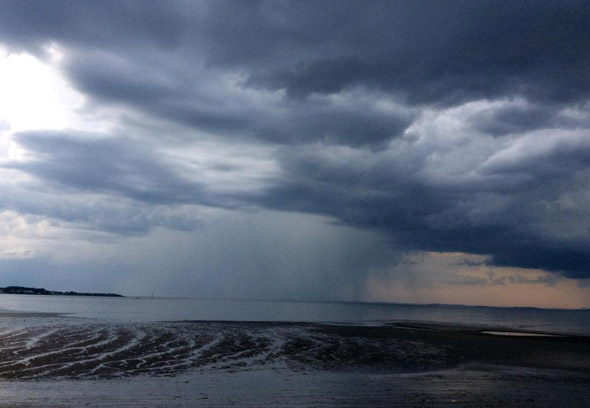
(454, 126)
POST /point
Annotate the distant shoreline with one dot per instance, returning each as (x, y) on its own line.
(21, 290)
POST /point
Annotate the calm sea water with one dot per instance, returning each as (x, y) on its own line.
(132, 309)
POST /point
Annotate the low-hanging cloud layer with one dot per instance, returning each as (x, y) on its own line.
(439, 127)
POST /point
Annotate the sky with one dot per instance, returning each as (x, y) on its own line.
(396, 151)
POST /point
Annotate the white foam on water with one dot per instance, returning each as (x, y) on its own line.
(518, 334)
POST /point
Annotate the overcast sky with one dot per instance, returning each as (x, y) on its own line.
(405, 151)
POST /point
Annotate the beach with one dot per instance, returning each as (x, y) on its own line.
(211, 364)
(466, 387)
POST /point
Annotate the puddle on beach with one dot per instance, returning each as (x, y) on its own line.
(519, 334)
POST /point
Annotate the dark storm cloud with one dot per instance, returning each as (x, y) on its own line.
(105, 165)
(574, 261)
(519, 221)
(136, 188)
(32, 24)
(92, 215)
(519, 118)
(187, 97)
(426, 52)
(408, 219)
(344, 90)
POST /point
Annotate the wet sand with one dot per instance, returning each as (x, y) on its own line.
(288, 364)
(477, 387)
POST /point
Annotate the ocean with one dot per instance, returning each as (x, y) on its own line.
(145, 309)
(60, 351)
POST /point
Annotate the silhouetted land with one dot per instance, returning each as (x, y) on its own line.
(21, 290)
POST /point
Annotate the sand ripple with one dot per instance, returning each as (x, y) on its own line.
(165, 349)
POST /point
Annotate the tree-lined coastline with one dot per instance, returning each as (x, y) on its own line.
(21, 290)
